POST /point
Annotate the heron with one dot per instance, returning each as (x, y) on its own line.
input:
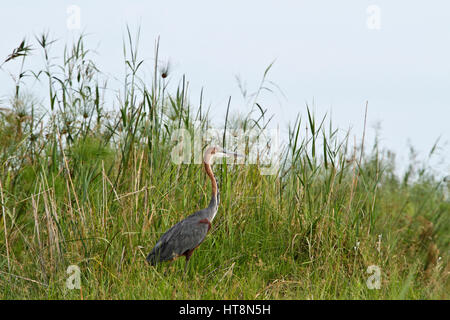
(185, 236)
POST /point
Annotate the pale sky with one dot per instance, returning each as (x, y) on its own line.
(325, 54)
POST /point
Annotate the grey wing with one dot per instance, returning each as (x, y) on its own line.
(184, 236)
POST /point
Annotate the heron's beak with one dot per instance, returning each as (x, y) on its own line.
(231, 154)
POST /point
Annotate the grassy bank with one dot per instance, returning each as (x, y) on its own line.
(88, 181)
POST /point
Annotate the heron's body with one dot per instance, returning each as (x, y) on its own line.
(185, 236)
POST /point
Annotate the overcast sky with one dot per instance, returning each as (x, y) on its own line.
(333, 54)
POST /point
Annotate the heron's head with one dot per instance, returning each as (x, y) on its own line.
(218, 152)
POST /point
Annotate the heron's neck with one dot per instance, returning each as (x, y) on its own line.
(212, 178)
(214, 203)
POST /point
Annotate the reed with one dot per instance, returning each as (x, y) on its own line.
(86, 179)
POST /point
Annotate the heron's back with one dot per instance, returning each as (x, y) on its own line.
(184, 236)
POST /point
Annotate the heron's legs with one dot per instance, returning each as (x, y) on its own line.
(185, 266)
(188, 256)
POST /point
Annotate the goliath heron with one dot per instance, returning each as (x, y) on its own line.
(185, 236)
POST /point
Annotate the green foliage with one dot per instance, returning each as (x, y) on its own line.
(96, 188)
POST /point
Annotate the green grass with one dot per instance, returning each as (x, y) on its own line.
(82, 185)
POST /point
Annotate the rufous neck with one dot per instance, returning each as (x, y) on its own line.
(211, 177)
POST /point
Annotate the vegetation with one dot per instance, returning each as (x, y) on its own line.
(87, 180)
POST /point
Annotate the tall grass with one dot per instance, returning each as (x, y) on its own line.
(87, 181)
